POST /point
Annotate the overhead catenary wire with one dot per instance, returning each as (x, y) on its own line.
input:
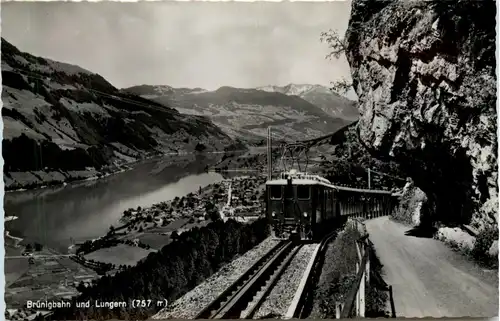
(388, 175)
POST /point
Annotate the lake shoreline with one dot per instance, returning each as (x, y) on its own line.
(102, 201)
(46, 179)
(139, 226)
(85, 175)
(172, 192)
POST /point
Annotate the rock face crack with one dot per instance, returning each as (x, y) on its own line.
(424, 72)
(402, 75)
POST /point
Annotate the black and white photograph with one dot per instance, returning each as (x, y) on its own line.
(250, 160)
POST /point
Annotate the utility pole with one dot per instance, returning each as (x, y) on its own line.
(269, 154)
(369, 178)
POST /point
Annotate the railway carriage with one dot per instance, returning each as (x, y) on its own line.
(305, 207)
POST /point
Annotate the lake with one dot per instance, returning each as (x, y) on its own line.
(85, 210)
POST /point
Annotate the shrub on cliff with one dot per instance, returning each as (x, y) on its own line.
(410, 206)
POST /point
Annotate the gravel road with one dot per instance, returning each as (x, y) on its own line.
(428, 278)
(190, 304)
(282, 294)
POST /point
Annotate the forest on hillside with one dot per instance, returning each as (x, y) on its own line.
(171, 272)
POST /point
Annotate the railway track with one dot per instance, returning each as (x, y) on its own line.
(244, 297)
(302, 303)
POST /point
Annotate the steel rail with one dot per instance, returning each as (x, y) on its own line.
(239, 301)
(209, 311)
(263, 294)
(301, 304)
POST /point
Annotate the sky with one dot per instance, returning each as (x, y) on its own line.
(184, 44)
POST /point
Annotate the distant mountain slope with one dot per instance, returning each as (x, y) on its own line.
(246, 113)
(321, 96)
(62, 122)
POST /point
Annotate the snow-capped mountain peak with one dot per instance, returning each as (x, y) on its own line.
(321, 96)
(163, 89)
(294, 89)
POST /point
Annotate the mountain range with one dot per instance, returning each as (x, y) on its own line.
(321, 96)
(294, 112)
(63, 122)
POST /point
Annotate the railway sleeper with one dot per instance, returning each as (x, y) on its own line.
(267, 287)
(210, 311)
(232, 309)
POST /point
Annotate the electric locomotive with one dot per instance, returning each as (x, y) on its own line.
(301, 206)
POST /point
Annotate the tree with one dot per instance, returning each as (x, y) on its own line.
(38, 247)
(28, 248)
(200, 147)
(211, 211)
(171, 272)
(81, 286)
(337, 46)
(174, 236)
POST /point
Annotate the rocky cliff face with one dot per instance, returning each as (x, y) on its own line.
(425, 76)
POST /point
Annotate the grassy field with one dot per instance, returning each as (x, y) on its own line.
(155, 240)
(49, 277)
(120, 254)
(158, 237)
(189, 226)
(175, 225)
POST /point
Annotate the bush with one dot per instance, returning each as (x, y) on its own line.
(28, 247)
(38, 247)
(412, 206)
(457, 239)
(482, 245)
(200, 147)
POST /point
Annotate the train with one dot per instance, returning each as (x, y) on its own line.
(301, 206)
